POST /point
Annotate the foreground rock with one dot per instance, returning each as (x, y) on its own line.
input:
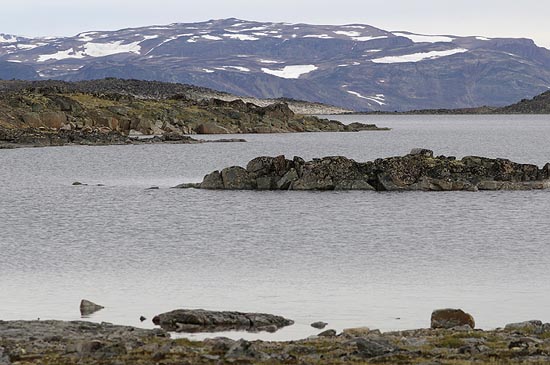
(199, 320)
(419, 170)
(450, 318)
(68, 343)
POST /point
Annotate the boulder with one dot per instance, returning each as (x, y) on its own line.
(327, 333)
(199, 320)
(532, 326)
(212, 181)
(319, 325)
(236, 178)
(87, 307)
(211, 128)
(421, 152)
(356, 332)
(449, 318)
(374, 347)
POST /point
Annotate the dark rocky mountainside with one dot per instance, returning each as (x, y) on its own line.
(105, 111)
(538, 105)
(354, 66)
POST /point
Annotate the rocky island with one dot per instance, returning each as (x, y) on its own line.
(419, 170)
(111, 111)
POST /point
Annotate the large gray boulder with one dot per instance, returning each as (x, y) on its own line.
(200, 320)
(449, 318)
(87, 307)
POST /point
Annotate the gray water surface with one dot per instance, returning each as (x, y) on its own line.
(383, 260)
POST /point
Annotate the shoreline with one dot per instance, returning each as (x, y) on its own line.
(75, 342)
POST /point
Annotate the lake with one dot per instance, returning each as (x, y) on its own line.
(382, 260)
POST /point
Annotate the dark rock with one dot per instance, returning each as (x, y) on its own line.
(319, 325)
(374, 347)
(153, 188)
(236, 178)
(212, 181)
(327, 333)
(199, 320)
(142, 318)
(421, 152)
(78, 183)
(525, 327)
(418, 170)
(87, 307)
(245, 350)
(449, 318)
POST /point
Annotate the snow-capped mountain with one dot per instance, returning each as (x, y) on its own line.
(354, 66)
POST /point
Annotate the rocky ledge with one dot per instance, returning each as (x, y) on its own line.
(419, 170)
(40, 137)
(199, 320)
(67, 343)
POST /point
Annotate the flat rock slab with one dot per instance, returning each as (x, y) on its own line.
(200, 320)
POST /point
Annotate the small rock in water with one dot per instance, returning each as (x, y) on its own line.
(319, 325)
(422, 152)
(87, 307)
(153, 188)
(449, 318)
(142, 318)
(78, 183)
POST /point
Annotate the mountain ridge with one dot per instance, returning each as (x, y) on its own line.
(355, 66)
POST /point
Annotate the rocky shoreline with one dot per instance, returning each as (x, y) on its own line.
(37, 137)
(57, 342)
(417, 171)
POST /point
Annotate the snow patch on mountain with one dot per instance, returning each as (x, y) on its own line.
(212, 37)
(348, 33)
(320, 36)
(291, 72)
(368, 38)
(378, 98)
(423, 38)
(241, 37)
(61, 55)
(6, 38)
(111, 48)
(417, 57)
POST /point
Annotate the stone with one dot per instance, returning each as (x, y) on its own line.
(319, 325)
(87, 307)
(236, 178)
(327, 333)
(356, 332)
(374, 347)
(211, 128)
(421, 152)
(200, 320)
(142, 318)
(212, 181)
(527, 326)
(449, 318)
(244, 350)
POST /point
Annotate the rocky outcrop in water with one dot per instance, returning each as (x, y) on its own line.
(199, 320)
(419, 170)
(450, 318)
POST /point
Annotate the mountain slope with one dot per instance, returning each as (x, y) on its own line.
(354, 66)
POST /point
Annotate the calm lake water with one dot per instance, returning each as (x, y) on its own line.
(383, 260)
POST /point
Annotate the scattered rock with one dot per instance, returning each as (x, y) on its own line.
(356, 332)
(319, 325)
(374, 347)
(87, 307)
(327, 333)
(244, 350)
(199, 320)
(526, 327)
(449, 318)
(78, 183)
(142, 318)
